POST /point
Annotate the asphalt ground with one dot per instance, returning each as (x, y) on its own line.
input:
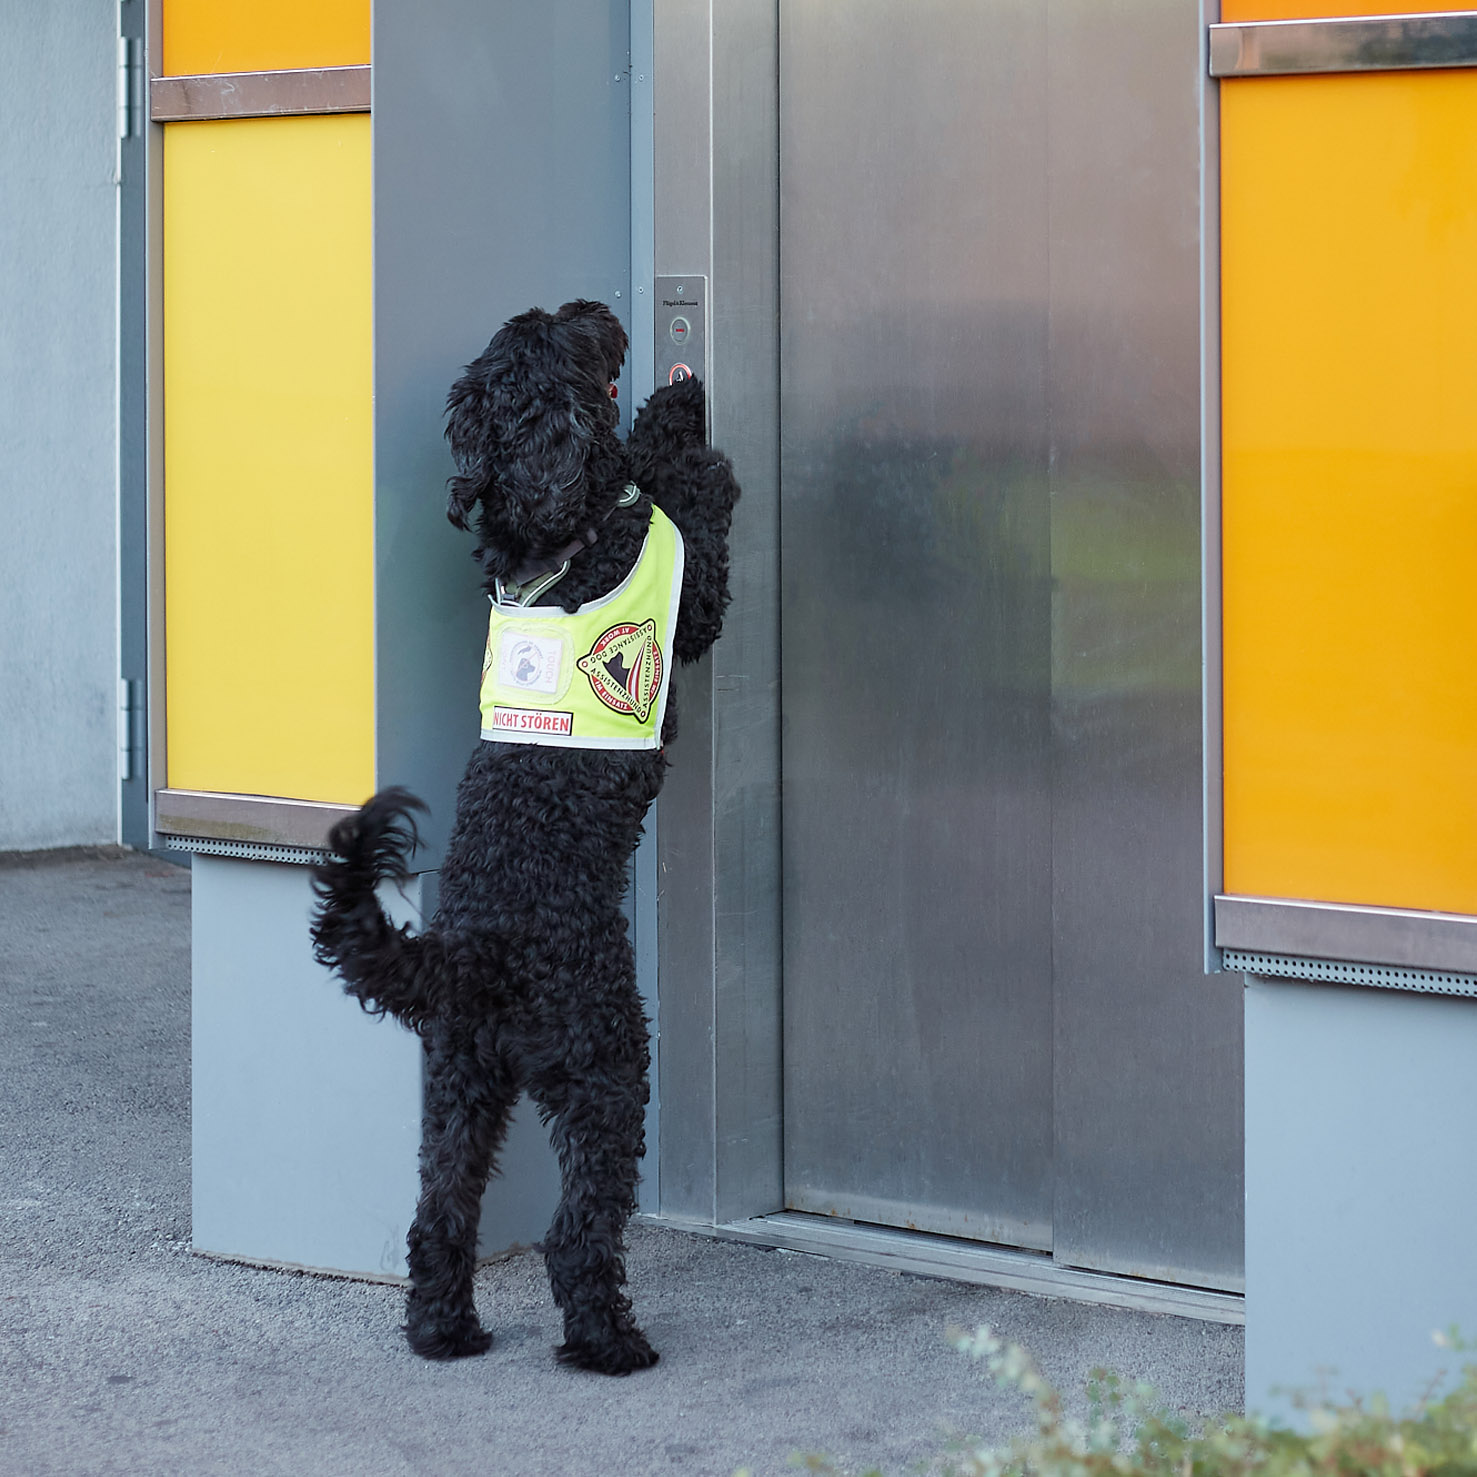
(123, 1352)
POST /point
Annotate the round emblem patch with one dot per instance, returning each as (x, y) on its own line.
(625, 668)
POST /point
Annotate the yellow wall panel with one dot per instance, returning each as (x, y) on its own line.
(268, 457)
(263, 35)
(1349, 237)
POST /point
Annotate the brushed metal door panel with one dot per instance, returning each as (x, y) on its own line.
(916, 616)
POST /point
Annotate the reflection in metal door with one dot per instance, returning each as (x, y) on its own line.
(995, 1020)
(916, 620)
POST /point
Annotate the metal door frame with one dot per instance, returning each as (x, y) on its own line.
(716, 213)
(136, 140)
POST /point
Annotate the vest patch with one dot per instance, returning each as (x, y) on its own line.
(531, 720)
(625, 668)
(530, 663)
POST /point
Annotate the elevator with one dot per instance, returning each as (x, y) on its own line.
(948, 867)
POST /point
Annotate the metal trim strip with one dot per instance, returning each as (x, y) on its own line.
(296, 93)
(1294, 927)
(1383, 43)
(157, 759)
(962, 1261)
(253, 820)
(1212, 644)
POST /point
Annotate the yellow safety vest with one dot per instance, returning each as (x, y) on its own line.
(592, 678)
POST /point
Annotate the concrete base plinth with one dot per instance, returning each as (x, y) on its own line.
(1361, 1189)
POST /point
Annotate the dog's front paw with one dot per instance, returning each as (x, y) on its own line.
(459, 1340)
(675, 416)
(621, 1351)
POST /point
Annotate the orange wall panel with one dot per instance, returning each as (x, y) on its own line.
(263, 35)
(1349, 330)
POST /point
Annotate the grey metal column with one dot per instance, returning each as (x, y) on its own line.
(502, 179)
(1147, 1049)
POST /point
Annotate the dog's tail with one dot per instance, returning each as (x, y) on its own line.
(385, 968)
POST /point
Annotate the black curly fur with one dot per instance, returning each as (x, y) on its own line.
(350, 930)
(525, 979)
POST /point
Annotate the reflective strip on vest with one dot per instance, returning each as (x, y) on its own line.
(592, 678)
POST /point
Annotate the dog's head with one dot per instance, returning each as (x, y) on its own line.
(530, 422)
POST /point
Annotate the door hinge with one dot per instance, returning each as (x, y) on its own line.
(130, 728)
(130, 87)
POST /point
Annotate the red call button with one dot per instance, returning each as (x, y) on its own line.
(679, 373)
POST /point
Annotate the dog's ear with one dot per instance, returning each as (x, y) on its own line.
(471, 431)
(461, 498)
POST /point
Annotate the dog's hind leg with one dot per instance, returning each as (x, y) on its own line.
(597, 1124)
(469, 1097)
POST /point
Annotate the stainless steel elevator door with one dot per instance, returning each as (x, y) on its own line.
(916, 616)
(996, 1018)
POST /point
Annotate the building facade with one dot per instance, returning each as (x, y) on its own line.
(1088, 746)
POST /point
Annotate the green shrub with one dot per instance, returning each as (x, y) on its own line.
(1127, 1433)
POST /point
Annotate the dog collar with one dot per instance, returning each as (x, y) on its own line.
(535, 576)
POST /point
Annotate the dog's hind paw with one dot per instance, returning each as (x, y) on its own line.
(615, 1353)
(459, 1341)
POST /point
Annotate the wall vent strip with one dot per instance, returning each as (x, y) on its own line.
(1343, 972)
(253, 851)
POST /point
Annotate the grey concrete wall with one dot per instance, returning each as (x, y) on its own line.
(1361, 1188)
(58, 257)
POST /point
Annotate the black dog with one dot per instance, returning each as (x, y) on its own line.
(525, 978)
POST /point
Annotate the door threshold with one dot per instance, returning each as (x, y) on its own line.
(964, 1261)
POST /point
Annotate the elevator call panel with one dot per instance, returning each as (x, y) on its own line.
(681, 328)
